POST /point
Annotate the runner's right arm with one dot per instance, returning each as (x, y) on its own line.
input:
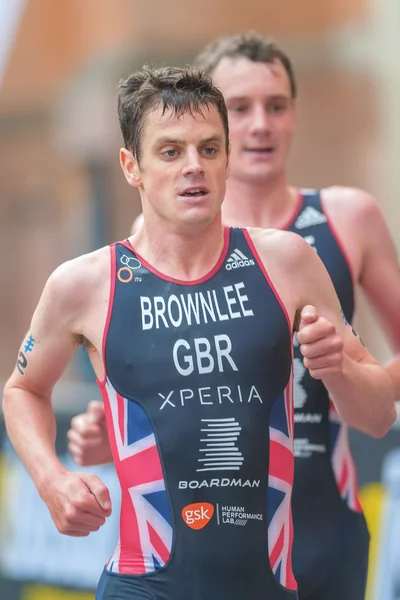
(78, 502)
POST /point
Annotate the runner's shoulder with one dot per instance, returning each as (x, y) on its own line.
(353, 202)
(284, 248)
(75, 281)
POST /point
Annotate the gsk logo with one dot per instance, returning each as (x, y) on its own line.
(198, 515)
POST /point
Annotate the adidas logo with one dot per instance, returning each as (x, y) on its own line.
(310, 216)
(237, 259)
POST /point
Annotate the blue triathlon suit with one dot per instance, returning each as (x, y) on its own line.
(198, 395)
(331, 542)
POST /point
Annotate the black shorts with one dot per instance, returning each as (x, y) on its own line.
(114, 586)
(335, 565)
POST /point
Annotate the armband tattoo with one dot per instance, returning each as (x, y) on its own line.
(22, 360)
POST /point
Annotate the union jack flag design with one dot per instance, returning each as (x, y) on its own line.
(342, 460)
(280, 485)
(145, 520)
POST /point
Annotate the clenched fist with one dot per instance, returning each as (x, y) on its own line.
(320, 345)
(79, 503)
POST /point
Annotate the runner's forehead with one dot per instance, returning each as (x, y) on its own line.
(168, 127)
(241, 77)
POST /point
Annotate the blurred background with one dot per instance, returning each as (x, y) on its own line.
(62, 194)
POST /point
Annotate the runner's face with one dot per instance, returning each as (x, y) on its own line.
(261, 116)
(183, 166)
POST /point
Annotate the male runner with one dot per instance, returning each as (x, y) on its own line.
(345, 226)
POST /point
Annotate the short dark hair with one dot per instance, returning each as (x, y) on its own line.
(250, 45)
(181, 90)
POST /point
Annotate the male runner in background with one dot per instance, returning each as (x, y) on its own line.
(193, 359)
(345, 226)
